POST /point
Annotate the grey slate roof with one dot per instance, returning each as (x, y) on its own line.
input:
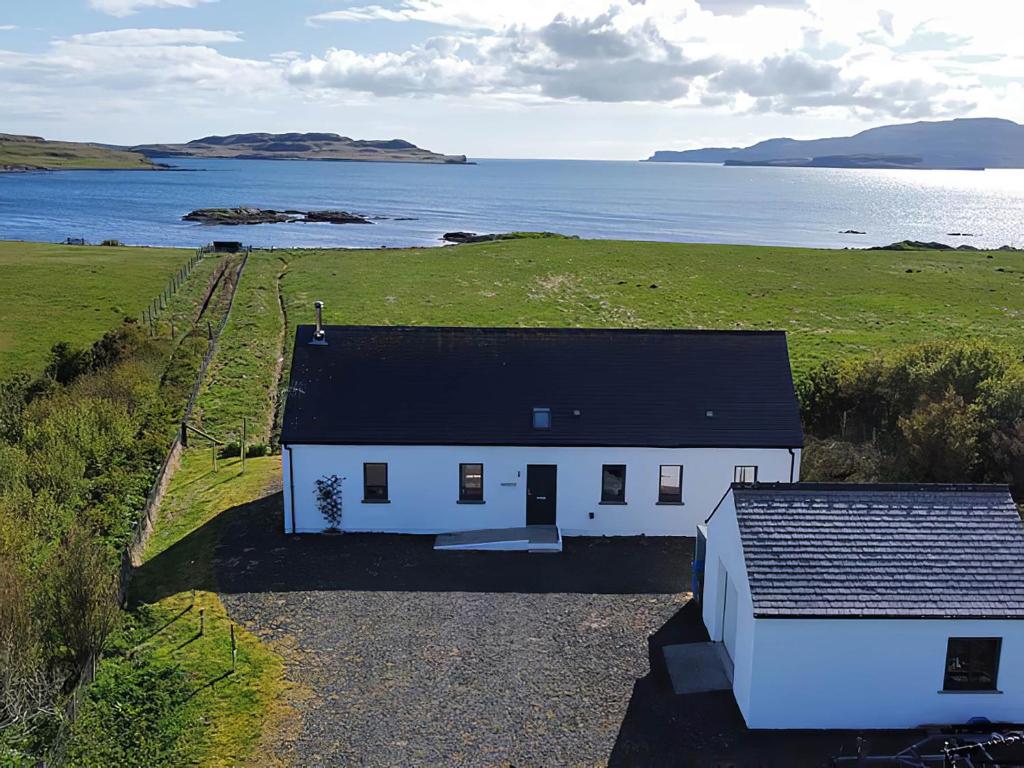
(479, 386)
(900, 551)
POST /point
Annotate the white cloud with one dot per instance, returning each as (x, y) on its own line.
(146, 37)
(7, 27)
(129, 7)
(739, 7)
(162, 63)
(770, 64)
(782, 56)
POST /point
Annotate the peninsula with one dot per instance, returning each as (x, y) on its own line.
(299, 146)
(964, 144)
(32, 153)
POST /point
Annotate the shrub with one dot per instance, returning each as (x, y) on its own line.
(28, 683)
(132, 714)
(233, 449)
(941, 439)
(81, 595)
(837, 461)
(937, 412)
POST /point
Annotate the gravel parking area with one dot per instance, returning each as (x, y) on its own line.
(407, 657)
(417, 657)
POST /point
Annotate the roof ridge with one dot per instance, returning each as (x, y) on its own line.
(553, 329)
(802, 487)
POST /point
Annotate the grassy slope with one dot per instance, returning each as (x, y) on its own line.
(51, 293)
(178, 560)
(242, 377)
(61, 155)
(832, 303)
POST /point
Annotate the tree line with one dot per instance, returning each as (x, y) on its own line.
(79, 447)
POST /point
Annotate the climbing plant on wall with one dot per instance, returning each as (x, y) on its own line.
(328, 500)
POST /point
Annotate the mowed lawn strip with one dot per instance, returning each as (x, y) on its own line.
(243, 376)
(833, 303)
(51, 293)
(175, 581)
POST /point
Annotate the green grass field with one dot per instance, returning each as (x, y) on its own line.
(63, 155)
(832, 303)
(51, 293)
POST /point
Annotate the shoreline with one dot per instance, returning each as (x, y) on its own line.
(903, 247)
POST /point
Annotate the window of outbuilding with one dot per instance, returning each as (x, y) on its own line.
(670, 484)
(745, 474)
(375, 482)
(613, 484)
(542, 418)
(471, 483)
(972, 663)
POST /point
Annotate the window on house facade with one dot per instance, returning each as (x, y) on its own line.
(542, 418)
(471, 482)
(670, 484)
(972, 663)
(375, 482)
(744, 475)
(613, 484)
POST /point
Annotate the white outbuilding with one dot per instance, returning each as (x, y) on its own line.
(582, 432)
(868, 606)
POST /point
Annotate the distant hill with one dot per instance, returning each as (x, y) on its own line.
(963, 143)
(32, 153)
(299, 146)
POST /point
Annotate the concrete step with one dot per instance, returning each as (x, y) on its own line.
(527, 538)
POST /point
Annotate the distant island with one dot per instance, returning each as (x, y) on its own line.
(299, 146)
(962, 144)
(33, 153)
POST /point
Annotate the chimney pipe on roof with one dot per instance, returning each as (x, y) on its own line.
(319, 336)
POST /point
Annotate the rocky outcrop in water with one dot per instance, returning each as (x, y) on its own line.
(473, 237)
(246, 215)
(918, 245)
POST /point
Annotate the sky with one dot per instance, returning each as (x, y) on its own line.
(600, 79)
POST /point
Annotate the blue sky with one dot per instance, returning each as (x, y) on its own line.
(554, 78)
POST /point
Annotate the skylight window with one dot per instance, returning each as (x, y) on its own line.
(542, 418)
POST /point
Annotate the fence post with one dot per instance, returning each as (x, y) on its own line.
(202, 621)
(243, 445)
(213, 454)
(234, 650)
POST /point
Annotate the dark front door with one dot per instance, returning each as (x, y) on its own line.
(541, 484)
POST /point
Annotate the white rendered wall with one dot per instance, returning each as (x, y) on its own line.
(725, 551)
(424, 487)
(863, 673)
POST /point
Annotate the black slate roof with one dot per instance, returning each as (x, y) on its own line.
(479, 386)
(899, 551)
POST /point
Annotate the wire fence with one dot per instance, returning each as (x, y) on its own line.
(151, 314)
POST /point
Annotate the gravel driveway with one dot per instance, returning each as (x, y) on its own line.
(418, 657)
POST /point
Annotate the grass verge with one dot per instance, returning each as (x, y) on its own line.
(200, 711)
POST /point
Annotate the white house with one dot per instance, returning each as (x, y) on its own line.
(597, 432)
(868, 606)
